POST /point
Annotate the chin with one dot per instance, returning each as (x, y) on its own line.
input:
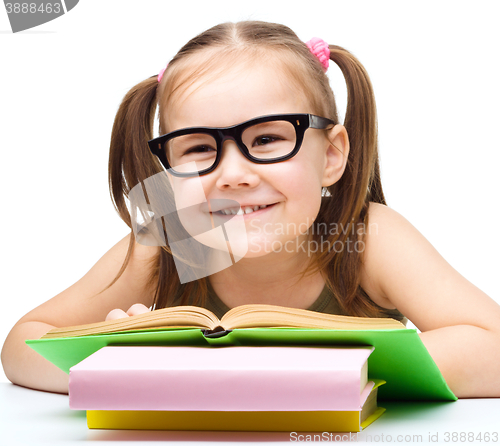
(259, 246)
(256, 253)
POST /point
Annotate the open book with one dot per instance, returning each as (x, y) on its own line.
(244, 316)
(400, 358)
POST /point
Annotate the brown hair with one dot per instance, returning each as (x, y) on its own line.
(347, 201)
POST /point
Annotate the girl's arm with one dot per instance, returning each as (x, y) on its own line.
(77, 305)
(460, 324)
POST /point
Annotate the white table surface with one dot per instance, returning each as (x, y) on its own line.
(31, 417)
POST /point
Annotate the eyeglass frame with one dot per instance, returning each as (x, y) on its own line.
(300, 121)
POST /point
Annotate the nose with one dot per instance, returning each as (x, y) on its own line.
(234, 170)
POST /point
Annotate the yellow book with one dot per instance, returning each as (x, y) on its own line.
(279, 421)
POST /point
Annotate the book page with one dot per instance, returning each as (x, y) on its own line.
(184, 316)
(253, 316)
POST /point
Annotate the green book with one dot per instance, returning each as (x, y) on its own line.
(400, 358)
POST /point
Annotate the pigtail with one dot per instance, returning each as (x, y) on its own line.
(130, 160)
(130, 163)
(132, 128)
(361, 125)
(352, 194)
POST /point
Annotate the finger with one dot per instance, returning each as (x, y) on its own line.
(137, 309)
(116, 314)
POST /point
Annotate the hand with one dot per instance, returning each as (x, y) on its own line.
(117, 313)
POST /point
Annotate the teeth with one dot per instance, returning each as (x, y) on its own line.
(241, 211)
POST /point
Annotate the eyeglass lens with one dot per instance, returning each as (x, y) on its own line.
(197, 151)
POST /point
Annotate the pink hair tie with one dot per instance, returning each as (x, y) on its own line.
(160, 74)
(321, 50)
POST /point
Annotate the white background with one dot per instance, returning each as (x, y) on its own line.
(435, 68)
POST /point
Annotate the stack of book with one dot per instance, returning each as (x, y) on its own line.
(227, 388)
(260, 367)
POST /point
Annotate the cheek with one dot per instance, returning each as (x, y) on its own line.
(188, 191)
(301, 187)
(301, 180)
(189, 195)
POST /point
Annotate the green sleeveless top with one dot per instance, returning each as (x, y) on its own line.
(325, 303)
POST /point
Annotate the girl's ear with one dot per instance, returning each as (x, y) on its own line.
(336, 155)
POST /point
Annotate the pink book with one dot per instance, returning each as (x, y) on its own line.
(221, 379)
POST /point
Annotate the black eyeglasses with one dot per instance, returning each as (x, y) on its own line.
(268, 139)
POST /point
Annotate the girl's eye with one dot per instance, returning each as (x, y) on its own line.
(265, 139)
(199, 149)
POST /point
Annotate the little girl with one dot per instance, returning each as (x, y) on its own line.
(252, 149)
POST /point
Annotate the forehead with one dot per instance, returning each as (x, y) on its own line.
(231, 92)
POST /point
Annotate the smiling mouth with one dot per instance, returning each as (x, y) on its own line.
(243, 210)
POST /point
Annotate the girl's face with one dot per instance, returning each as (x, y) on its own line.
(290, 190)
